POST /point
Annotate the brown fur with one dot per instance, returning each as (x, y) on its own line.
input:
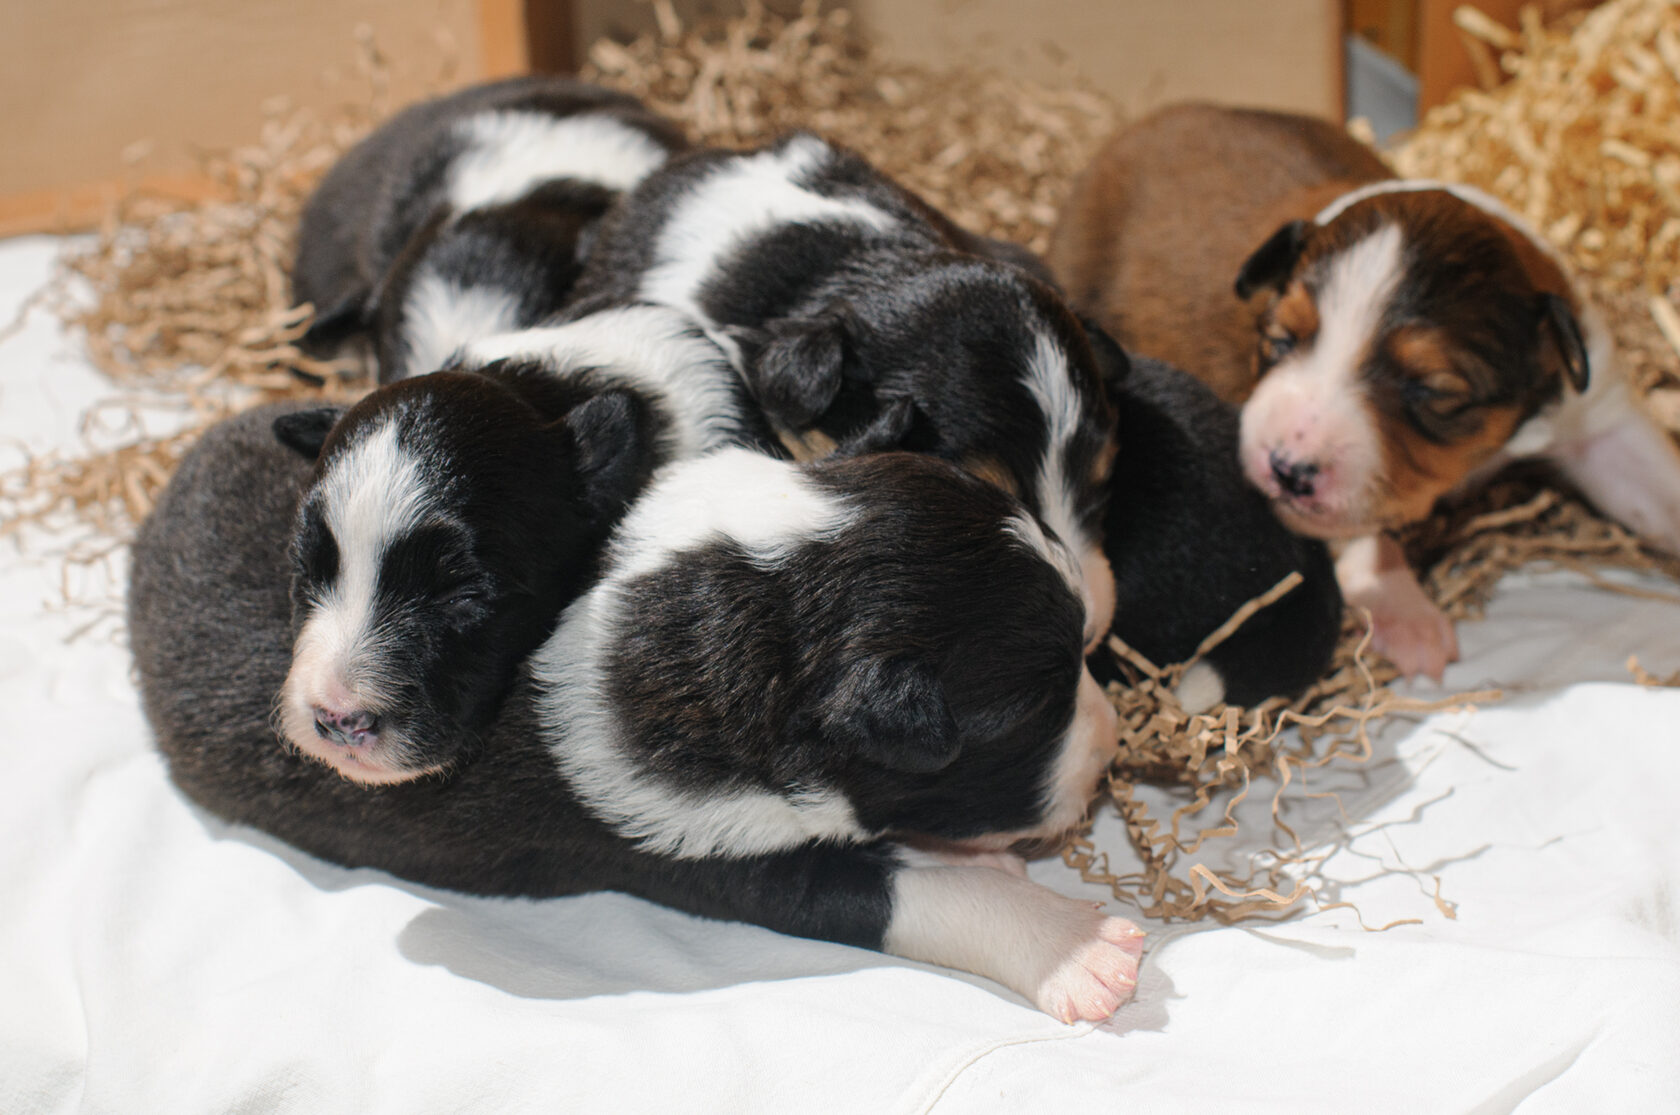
(1158, 226)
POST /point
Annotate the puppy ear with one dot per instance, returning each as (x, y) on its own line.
(797, 373)
(305, 431)
(1273, 261)
(891, 712)
(612, 445)
(337, 324)
(1113, 365)
(900, 425)
(1560, 340)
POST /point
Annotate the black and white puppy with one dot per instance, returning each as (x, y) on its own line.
(784, 670)
(454, 514)
(467, 215)
(852, 308)
(1190, 541)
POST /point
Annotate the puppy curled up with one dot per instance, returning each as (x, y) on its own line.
(766, 771)
(1390, 341)
(467, 215)
(451, 516)
(854, 310)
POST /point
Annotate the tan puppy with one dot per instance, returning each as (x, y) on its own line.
(1390, 340)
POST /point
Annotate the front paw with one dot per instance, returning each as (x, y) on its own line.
(1410, 631)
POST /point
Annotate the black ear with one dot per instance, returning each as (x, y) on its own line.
(1558, 324)
(891, 711)
(613, 447)
(1113, 365)
(797, 373)
(1272, 262)
(306, 430)
(337, 324)
(899, 424)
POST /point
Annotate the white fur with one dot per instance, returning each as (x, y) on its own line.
(1310, 404)
(738, 200)
(510, 153)
(1200, 688)
(372, 493)
(1069, 959)
(1050, 381)
(440, 316)
(763, 505)
(657, 349)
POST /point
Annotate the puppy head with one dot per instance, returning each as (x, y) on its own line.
(959, 669)
(1401, 344)
(449, 520)
(966, 359)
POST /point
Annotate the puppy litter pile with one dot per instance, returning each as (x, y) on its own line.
(190, 305)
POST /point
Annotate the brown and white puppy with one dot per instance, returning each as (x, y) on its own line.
(1390, 340)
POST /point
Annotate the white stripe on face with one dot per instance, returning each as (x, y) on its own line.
(372, 492)
(740, 199)
(1050, 380)
(510, 153)
(1310, 408)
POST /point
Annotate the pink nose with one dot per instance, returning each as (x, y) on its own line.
(356, 728)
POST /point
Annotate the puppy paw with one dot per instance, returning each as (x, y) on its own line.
(1098, 975)
(1413, 634)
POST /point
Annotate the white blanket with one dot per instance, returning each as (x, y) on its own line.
(153, 959)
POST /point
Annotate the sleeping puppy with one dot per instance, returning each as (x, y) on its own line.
(703, 729)
(1190, 542)
(851, 307)
(453, 515)
(1391, 341)
(467, 215)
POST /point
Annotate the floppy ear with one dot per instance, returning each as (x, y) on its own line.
(306, 430)
(1113, 365)
(1272, 262)
(1560, 340)
(613, 450)
(900, 425)
(892, 712)
(337, 324)
(797, 373)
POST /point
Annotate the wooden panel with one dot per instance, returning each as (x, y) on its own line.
(84, 81)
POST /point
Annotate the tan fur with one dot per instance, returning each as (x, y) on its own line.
(808, 445)
(1156, 229)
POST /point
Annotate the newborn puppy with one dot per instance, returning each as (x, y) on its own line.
(1391, 341)
(449, 519)
(760, 771)
(852, 308)
(467, 215)
(1190, 542)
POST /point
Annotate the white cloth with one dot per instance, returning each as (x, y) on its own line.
(155, 959)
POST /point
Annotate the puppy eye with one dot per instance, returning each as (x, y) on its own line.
(1280, 343)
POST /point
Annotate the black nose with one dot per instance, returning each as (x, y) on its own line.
(1294, 477)
(351, 729)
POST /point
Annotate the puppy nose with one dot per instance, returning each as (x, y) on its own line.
(351, 729)
(1296, 478)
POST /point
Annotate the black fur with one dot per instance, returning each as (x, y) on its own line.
(209, 623)
(382, 212)
(1190, 542)
(526, 474)
(837, 321)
